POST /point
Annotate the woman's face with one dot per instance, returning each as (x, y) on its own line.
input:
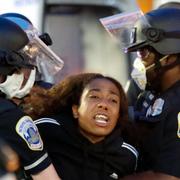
(98, 111)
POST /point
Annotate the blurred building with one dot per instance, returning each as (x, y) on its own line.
(81, 40)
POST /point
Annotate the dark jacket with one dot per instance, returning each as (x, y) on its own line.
(76, 158)
(19, 132)
(160, 147)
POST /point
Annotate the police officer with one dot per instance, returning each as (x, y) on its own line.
(156, 39)
(49, 64)
(17, 129)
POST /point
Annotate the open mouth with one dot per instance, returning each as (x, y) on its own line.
(101, 119)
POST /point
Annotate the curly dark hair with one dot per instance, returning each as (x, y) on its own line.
(62, 96)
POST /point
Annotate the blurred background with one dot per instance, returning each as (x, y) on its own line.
(78, 36)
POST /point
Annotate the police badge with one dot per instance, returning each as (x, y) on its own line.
(29, 132)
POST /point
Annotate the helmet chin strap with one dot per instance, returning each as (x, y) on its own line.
(160, 70)
(157, 64)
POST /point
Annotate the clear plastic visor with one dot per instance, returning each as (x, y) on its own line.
(40, 53)
(122, 27)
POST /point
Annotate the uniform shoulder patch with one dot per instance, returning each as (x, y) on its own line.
(178, 131)
(156, 108)
(26, 128)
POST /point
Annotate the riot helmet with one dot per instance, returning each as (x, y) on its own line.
(12, 39)
(26, 24)
(162, 32)
(155, 36)
(21, 20)
(46, 61)
(162, 37)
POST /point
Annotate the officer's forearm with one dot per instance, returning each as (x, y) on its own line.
(149, 175)
(47, 174)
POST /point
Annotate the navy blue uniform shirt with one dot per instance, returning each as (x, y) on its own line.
(20, 132)
(161, 146)
(75, 158)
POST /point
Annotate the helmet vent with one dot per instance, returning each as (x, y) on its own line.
(153, 34)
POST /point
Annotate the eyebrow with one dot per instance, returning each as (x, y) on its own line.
(111, 92)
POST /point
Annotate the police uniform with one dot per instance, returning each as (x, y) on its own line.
(19, 131)
(75, 158)
(161, 146)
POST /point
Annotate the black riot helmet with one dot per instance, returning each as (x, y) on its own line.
(19, 19)
(12, 40)
(37, 48)
(162, 32)
(23, 22)
(12, 37)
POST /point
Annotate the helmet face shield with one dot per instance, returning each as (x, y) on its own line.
(40, 53)
(159, 28)
(123, 27)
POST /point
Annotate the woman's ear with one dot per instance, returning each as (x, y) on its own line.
(75, 111)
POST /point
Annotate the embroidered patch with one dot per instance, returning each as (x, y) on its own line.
(156, 109)
(29, 132)
(178, 131)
